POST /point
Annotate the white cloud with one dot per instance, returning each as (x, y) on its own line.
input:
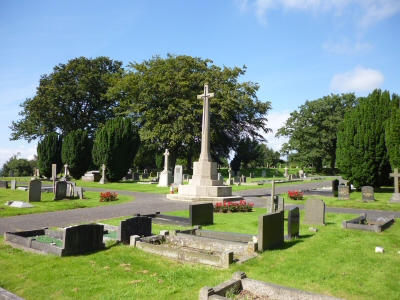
(275, 121)
(344, 47)
(357, 80)
(379, 10)
(26, 151)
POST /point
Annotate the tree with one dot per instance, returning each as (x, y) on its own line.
(161, 94)
(15, 166)
(49, 152)
(72, 97)
(362, 156)
(116, 145)
(312, 131)
(267, 157)
(77, 152)
(393, 133)
(248, 150)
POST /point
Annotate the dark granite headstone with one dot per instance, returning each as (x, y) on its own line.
(145, 176)
(83, 238)
(61, 190)
(201, 214)
(35, 191)
(315, 212)
(335, 187)
(3, 184)
(367, 193)
(293, 223)
(270, 231)
(136, 176)
(134, 226)
(344, 192)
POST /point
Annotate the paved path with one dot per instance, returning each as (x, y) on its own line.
(149, 203)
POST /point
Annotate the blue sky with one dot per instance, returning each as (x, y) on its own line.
(295, 50)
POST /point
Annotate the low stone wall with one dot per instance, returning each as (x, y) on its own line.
(360, 223)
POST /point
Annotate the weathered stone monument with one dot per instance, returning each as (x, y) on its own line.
(103, 179)
(54, 171)
(367, 193)
(286, 172)
(396, 196)
(66, 173)
(35, 191)
(343, 192)
(204, 185)
(165, 175)
(13, 184)
(60, 191)
(178, 174)
(315, 212)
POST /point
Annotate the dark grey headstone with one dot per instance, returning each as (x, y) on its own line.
(61, 190)
(3, 184)
(344, 192)
(367, 193)
(270, 231)
(128, 176)
(315, 212)
(293, 223)
(136, 176)
(145, 176)
(335, 187)
(35, 191)
(83, 238)
(140, 226)
(201, 214)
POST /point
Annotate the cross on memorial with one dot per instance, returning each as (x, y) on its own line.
(396, 176)
(166, 154)
(205, 134)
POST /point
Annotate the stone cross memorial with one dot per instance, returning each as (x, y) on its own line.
(103, 179)
(396, 196)
(165, 176)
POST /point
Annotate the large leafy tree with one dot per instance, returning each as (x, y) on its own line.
(49, 152)
(77, 152)
(161, 94)
(17, 167)
(312, 130)
(248, 150)
(362, 156)
(393, 133)
(116, 145)
(72, 97)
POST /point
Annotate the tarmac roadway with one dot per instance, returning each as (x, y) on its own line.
(146, 203)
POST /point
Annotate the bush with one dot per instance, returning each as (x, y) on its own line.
(241, 206)
(295, 195)
(108, 196)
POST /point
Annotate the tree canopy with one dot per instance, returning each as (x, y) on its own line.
(312, 131)
(161, 94)
(393, 133)
(49, 152)
(72, 97)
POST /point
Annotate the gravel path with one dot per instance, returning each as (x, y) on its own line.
(149, 203)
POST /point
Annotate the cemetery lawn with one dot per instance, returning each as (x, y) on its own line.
(48, 204)
(381, 195)
(332, 261)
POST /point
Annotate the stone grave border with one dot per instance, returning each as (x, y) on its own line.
(240, 282)
(359, 223)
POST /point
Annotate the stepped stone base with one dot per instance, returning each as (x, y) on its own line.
(178, 197)
(395, 198)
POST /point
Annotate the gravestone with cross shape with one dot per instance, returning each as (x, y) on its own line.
(103, 179)
(396, 196)
(166, 175)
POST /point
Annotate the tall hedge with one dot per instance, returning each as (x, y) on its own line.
(362, 156)
(77, 152)
(116, 145)
(49, 152)
(393, 133)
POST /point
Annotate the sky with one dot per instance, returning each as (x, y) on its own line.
(295, 50)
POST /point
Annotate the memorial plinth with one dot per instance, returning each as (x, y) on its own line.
(204, 185)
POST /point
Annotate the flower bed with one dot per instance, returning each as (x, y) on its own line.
(108, 196)
(241, 206)
(295, 195)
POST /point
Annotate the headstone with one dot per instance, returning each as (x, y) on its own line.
(243, 179)
(61, 190)
(270, 231)
(273, 189)
(236, 179)
(79, 192)
(66, 173)
(315, 212)
(293, 223)
(396, 196)
(264, 173)
(286, 172)
(145, 175)
(35, 191)
(140, 226)
(301, 172)
(344, 192)
(83, 238)
(37, 173)
(221, 178)
(3, 184)
(91, 176)
(103, 179)
(13, 184)
(252, 175)
(136, 176)
(238, 173)
(166, 175)
(178, 174)
(54, 171)
(335, 187)
(367, 193)
(201, 214)
(71, 188)
(277, 203)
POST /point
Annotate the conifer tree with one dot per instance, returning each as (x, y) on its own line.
(393, 133)
(77, 152)
(49, 152)
(116, 145)
(362, 156)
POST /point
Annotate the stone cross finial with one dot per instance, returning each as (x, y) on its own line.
(166, 154)
(205, 134)
(396, 176)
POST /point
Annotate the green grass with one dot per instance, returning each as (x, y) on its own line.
(48, 204)
(333, 261)
(382, 196)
